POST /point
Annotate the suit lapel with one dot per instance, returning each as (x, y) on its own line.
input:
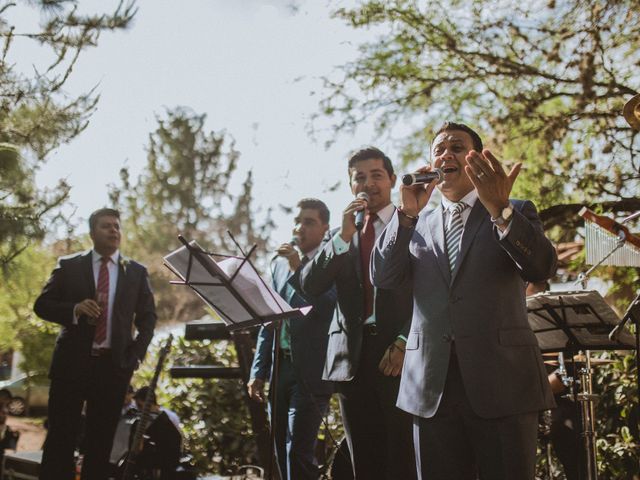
(119, 287)
(476, 218)
(355, 254)
(87, 271)
(435, 224)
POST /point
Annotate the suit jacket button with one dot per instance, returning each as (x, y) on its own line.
(447, 338)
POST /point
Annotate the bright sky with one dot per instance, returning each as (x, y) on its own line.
(250, 65)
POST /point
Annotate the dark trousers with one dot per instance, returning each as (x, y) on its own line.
(457, 444)
(565, 437)
(104, 390)
(378, 433)
(298, 417)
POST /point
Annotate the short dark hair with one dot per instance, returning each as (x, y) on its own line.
(141, 394)
(446, 126)
(315, 204)
(102, 212)
(370, 153)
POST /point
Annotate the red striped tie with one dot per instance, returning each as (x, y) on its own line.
(102, 296)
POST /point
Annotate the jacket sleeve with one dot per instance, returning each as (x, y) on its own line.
(145, 319)
(319, 275)
(390, 263)
(51, 304)
(261, 366)
(526, 243)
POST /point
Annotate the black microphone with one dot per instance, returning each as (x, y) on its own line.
(422, 178)
(360, 213)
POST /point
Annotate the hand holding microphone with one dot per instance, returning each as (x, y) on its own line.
(289, 251)
(417, 187)
(353, 216)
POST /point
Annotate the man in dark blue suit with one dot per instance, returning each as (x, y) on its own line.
(302, 397)
(97, 297)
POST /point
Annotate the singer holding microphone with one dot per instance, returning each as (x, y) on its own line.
(302, 397)
(473, 376)
(368, 332)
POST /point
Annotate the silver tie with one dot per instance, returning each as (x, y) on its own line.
(454, 232)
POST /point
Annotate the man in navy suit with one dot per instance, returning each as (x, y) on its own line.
(302, 397)
(368, 333)
(97, 297)
(473, 376)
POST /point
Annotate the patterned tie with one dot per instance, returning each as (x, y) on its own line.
(367, 240)
(453, 233)
(102, 296)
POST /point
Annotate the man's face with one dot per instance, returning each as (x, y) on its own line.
(106, 235)
(370, 176)
(448, 152)
(309, 229)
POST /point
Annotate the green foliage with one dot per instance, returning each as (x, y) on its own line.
(185, 189)
(22, 206)
(213, 413)
(544, 81)
(618, 442)
(20, 329)
(36, 114)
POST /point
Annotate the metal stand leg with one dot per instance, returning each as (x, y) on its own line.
(587, 400)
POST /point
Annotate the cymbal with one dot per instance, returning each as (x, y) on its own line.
(631, 112)
(581, 359)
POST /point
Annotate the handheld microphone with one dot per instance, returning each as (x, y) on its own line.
(422, 178)
(360, 213)
(293, 242)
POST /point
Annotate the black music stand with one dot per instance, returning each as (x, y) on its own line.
(570, 322)
(235, 290)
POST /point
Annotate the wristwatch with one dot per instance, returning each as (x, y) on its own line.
(505, 216)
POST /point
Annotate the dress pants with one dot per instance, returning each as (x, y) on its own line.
(458, 444)
(298, 417)
(103, 389)
(378, 433)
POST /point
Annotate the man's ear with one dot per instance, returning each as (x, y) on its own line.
(393, 180)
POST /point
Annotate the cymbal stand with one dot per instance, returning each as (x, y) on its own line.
(587, 399)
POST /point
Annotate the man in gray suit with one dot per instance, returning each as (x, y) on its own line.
(368, 332)
(473, 375)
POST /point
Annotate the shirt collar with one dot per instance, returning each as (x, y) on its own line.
(386, 213)
(311, 253)
(95, 256)
(470, 199)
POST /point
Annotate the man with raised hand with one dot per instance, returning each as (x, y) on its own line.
(473, 376)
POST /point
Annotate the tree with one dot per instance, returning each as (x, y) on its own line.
(20, 329)
(185, 189)
(545, 81)
(36, 114)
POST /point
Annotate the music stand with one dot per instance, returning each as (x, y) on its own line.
(574, 321)
(236, 291)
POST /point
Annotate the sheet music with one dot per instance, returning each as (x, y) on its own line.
(205, 278)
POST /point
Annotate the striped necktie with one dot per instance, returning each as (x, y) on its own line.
(453, 233)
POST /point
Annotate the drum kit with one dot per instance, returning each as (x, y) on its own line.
(571, 325)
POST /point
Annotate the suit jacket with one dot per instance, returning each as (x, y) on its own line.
(71, 282)
(308, 334)
(393, 304)
(481, 305)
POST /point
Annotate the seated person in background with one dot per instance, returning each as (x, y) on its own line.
(8, 438)
(128, 403)
(140, 397)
